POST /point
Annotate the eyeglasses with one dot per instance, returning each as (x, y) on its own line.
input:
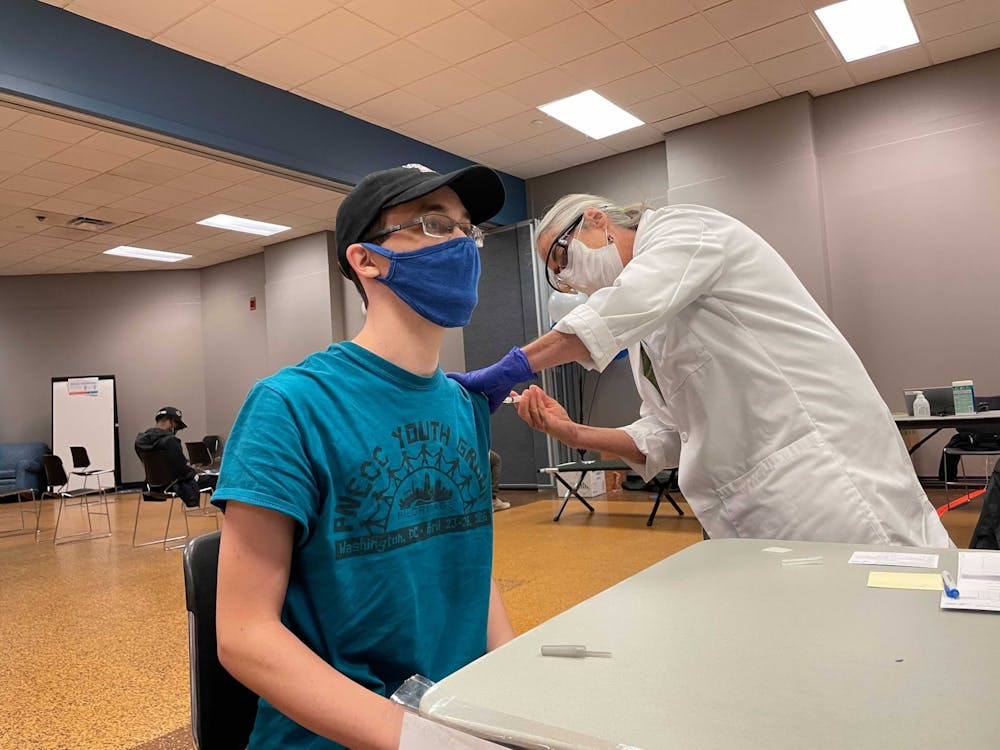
(562, 257)
(436, 225)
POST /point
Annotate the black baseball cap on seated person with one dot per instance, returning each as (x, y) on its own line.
(172, 413)
(478, 187)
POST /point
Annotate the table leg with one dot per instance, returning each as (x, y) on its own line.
(572, 492)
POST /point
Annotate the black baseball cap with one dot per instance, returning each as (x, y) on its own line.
(478, 187)
(173, 413)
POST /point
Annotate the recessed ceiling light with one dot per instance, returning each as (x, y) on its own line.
(591, 114)
(239, 224)
(145, 254)
(862, 28)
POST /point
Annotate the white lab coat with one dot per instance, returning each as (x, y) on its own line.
(778, 431)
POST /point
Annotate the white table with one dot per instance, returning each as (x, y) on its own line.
(720, 646)
(936, 424)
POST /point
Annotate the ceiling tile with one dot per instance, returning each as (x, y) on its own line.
(400, 63)
(243, 194)
(683, 120)
(147, 171)
(728, 85)
(220, 34)
(285, 64)
(706, 4)
(739, 17)
(140, 205)
(13, 163)
(796, 64)
(198, 183)
(149, 17)
(66, 206)
(447, 87)
(817, 84)
(313, 194)
(525, 125)
(608, 64)
(172, 157)
(506, 64)
(346, 87)
(558, 139)
(958, 17)
(27, 144)
(638, 86)
(665, 105)
(169, 196)
(115, 184)
(8, 116)
(967, 43)
(785, 36)
(629, 18)
(89, 158)
(544, 87)
(50, 127)
(474, 142)
(578, 35)
(915, 6)
(586, 153)
(445, 123)
(64, 173)
(402, 21)
(745, 101)
(280, 203)
(273, 184)
(677, 39)
(90, 196)
(491, 106)
(506, 156)
(644, 135)
(889, 64)
(459, 37)
(704, 64)
(517, 18)
(343, 35)
(33, 185)
(231, 173)
(393, 108)
(279, 17)
(118, 144)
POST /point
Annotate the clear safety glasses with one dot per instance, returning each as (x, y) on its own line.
(559, 249)
(438, 226)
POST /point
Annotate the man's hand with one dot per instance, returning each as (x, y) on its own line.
(495, 381)
(544, 413)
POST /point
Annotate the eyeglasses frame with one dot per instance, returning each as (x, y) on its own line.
(474, 233)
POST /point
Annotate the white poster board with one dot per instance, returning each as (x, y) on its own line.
(85, 412)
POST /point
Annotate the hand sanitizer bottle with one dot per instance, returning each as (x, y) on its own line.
(921, 407)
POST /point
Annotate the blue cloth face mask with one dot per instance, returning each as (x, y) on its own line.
(438, 282)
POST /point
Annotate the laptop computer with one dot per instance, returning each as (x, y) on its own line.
(940, 398)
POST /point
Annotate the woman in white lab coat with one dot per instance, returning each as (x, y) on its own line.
(746, 384)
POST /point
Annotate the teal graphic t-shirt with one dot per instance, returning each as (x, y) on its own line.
(387, 475)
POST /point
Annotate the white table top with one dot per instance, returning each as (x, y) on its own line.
(721, 646)
(950, 420)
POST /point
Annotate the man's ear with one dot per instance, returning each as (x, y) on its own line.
(362, 261)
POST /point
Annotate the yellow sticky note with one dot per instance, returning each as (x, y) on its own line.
(918, 581)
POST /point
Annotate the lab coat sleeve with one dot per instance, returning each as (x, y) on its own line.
(675, 260)
(660, 444)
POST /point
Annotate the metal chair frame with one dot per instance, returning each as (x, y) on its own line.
(159, 480)
(964, 481)
(56, 479)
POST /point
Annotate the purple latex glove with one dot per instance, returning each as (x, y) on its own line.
(495, 381)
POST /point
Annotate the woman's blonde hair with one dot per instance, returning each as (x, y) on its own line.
(568, 208)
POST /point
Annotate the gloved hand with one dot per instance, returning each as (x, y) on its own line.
(496, 380)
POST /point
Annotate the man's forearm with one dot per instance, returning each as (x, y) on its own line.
(554, 348)
(608, 440)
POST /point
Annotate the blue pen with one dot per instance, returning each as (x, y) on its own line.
(949, 585)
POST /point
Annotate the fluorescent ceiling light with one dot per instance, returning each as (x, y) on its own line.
(144, 254)
(239, 224)
(862, 28)
(591, 114)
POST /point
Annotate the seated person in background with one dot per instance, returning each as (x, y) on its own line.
(188, 482)
(358, 546)
(496, 466)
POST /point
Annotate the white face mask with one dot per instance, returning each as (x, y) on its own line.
(589, 269)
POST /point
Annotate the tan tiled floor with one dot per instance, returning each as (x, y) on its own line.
(93, 634)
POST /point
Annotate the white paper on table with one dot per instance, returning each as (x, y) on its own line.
(422, 734)
(901, 559)
(978, 582)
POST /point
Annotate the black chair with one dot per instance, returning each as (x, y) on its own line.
(57, 481)
(214, 445)
(971, 442)
(81, 465)
(159, 483)
(223, 710)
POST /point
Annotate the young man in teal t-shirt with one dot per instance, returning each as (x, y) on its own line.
(357, 545)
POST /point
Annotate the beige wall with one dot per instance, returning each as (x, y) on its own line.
(883, 198)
